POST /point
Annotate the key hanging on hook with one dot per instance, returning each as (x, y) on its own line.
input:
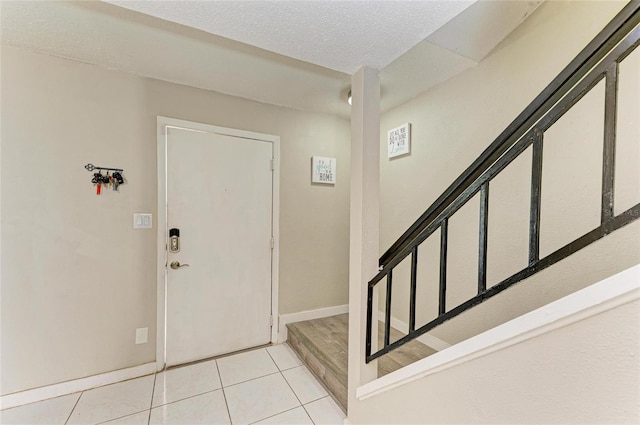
(108, 180)
(100, 181)
(97, 180)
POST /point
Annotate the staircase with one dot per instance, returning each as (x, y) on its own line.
(322, 344)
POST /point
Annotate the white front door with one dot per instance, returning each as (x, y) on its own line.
(219, 197)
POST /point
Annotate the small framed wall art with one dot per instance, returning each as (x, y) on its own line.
(323, 170)
(399, 141)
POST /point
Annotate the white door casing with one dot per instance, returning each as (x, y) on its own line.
(223, 300)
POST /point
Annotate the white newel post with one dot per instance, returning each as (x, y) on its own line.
(364, 219)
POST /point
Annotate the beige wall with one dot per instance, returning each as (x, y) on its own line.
(454, 122)
(77, 279)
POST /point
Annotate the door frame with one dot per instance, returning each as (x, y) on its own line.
(162, 228)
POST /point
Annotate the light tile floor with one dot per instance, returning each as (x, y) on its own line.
(266, 386)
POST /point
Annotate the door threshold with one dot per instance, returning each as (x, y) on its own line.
(220, 356)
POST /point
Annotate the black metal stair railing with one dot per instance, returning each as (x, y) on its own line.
(599, 60)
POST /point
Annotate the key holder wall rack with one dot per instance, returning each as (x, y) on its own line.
(113, 178)
(91, 167)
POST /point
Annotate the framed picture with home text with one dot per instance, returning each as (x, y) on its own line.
(323, 170)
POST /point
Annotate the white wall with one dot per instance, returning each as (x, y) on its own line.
(455, 121)
(77, 280)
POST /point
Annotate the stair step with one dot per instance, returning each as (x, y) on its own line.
(322, 344)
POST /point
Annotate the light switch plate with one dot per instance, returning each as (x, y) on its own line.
(142, 221)
(142, 335)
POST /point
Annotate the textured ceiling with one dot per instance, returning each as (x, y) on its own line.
(110, 36)
(339, 35)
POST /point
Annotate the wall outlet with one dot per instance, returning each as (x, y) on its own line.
(142, 335)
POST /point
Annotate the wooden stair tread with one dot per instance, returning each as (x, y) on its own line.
(322, 344)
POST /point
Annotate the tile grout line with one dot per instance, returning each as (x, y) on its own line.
(74, 408)
(120, 417)
(302, 364)
(185, 399)
(294, 354)
(304, 367)
(128, 414)
(191, 396)
(322, 384)
(290, 387)
(279, 371)
(224, 394)
(321, 398)
(252, 379)
(269, 417)
(226, 404)
(297, 398)
(153, 393)
(308, 414)
(316, 379)
(294, 393)
(273, 360)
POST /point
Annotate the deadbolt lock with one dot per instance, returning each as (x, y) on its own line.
(174, 240)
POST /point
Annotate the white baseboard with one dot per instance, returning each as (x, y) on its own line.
(427, 339)
(77, 385)
(307, 315)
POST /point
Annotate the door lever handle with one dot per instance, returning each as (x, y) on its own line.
(176, 265)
